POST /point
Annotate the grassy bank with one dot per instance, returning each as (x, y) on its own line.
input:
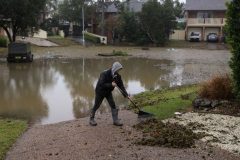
(10, 130)
(3, 51)
(163, 103)
(61, 41)
(196, 45)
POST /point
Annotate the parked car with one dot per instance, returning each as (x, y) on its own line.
(19, 52)
(195, 36)
(212, 37)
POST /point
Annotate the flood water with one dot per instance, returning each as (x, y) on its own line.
(50, 91)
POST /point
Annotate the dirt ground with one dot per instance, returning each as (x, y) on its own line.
(76, 51)
(74, 140)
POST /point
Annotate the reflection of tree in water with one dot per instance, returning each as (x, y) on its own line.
(20, 91)
(21, 85)
(81, 76)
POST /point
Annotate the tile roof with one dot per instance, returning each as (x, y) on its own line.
(206, 4)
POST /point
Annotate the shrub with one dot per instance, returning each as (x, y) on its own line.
(91, 38)
(233, 34)
(219, 87)
(3, 41)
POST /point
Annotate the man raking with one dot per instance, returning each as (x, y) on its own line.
(107, 81)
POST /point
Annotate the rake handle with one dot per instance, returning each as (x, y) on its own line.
(128, 98)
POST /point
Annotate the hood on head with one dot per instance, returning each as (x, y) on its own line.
(116, 66)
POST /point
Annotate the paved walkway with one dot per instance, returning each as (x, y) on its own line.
(38, 41)
(76, 140)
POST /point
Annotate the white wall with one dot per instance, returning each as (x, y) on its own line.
(40, 34)
(61, 33)
(178, 35)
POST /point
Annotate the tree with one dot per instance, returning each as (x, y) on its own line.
(19, 15)
(71, 10)
(178, 9)
(111, 26)
(129, 27)
(233, 28)
(158, 20)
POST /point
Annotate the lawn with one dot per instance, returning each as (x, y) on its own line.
(61, 41)
(163, 103)
(3, 51)
(196, 45)
(10, 130)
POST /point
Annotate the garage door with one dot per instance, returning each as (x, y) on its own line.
(193, 30)
(211, 30)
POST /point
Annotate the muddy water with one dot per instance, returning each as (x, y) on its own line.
(50, 91)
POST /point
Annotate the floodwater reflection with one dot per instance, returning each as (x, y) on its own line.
(50, 91)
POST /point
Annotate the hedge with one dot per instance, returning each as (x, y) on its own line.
(91, 38)
(3, 41)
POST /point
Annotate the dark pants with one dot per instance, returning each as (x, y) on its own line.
(98, 101)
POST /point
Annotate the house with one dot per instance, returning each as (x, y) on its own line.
(2, 32)
(205, 16)
(111, 13)
(135, 5)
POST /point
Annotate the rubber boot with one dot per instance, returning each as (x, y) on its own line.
(116, 121)
(92, 122)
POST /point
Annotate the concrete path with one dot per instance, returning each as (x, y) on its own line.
(76, 140)
(38, 41)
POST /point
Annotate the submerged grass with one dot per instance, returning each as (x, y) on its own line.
(119, 53)
(3, 50)
(61, 41)
(163, 103)
(10, 130)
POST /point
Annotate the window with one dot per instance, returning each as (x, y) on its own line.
(204, 15)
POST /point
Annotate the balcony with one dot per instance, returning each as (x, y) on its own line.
(211, 22)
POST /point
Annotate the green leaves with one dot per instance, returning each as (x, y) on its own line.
(21, 15)
(153, 24)
(233, 35)
(10, 130)
(158, 19)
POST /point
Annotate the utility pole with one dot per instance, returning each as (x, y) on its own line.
(83, 24)
(102, 22)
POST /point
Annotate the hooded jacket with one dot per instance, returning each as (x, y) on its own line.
(104, 84)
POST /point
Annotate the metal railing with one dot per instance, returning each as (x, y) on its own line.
(206, 21)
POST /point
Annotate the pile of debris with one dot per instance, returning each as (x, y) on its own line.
(216, 106)
(157, 133)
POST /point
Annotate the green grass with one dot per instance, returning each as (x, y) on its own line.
(3, 50)
(163, 103)
(119, 53)
(185, 44)
(10, 130)
(195, 45)
(61, 41)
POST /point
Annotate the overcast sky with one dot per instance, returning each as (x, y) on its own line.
(182, 1)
